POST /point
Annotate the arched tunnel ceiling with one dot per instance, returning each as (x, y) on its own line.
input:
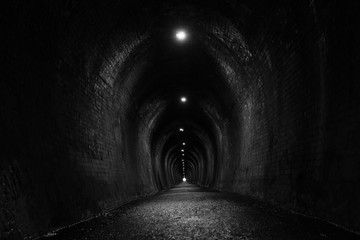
(131, 47)
(147, 35)
(152, 70)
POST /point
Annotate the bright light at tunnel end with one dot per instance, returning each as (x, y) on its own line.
(184, 179)
(183, 99)
(181, 35)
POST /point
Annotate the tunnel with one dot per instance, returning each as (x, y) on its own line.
(108, 102)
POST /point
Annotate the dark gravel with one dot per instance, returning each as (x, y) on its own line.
(191, 212)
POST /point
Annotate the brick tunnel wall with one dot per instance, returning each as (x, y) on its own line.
(299, 118)
(71, 151)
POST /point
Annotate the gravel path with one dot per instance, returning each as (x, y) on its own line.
(191, 212)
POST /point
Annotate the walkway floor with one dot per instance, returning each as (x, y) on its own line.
(191, 212)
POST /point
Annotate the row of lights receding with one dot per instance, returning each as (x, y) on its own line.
(182, 154)
(182, 150)
(183, 162)
(181, 36)
(183, 100)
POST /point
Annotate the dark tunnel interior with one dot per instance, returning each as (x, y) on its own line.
(102, 104)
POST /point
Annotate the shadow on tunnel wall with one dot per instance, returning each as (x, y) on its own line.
(298, 115)
(79, 133)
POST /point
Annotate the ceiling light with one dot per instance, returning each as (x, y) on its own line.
(180, 35)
